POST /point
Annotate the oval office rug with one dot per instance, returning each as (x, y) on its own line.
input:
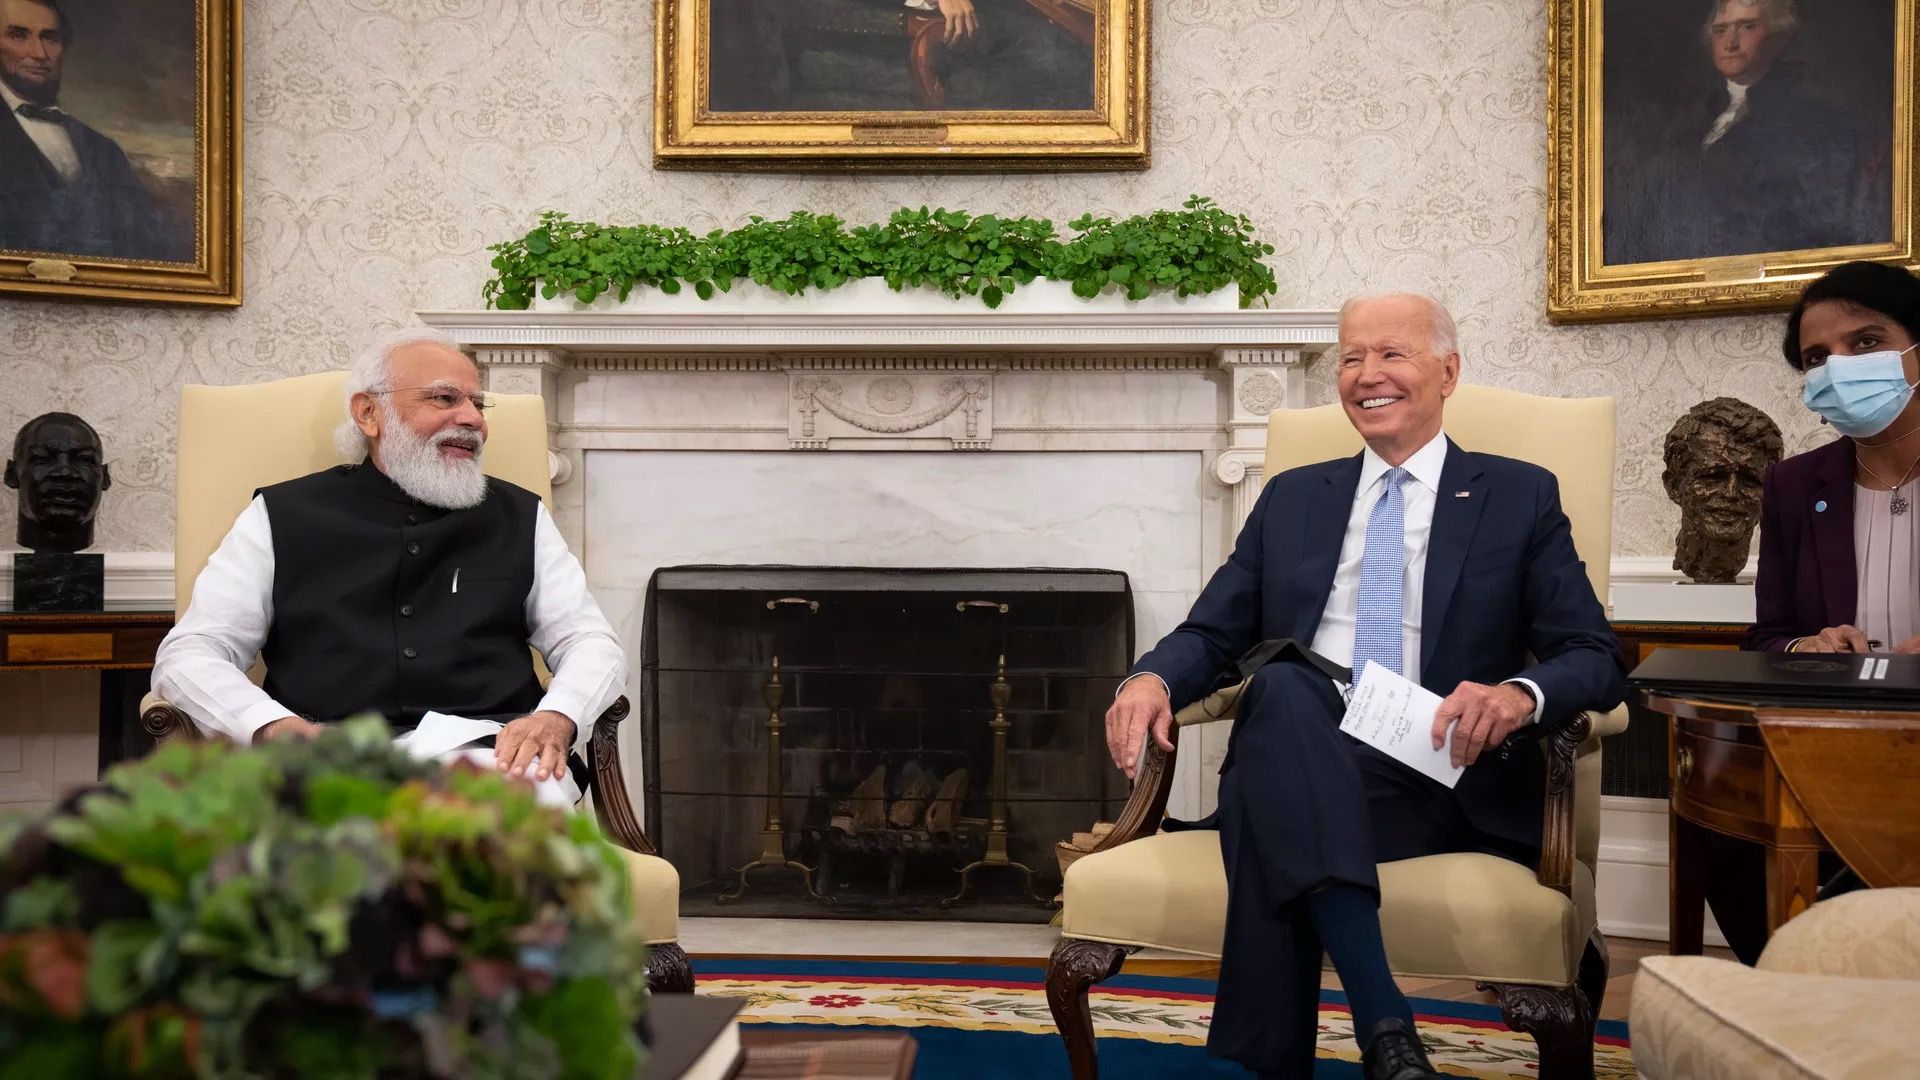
(979, 1020)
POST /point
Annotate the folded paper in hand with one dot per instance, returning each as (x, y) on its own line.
(446, 737)
(1394, 715)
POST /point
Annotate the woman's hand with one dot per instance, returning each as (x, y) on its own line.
(1909, 646)
(1833, 639)
(961, 21)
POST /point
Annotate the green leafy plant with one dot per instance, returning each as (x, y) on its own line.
(788, 255)
(560, 256)
(326, 908)
(1199, 248)
(958, 253)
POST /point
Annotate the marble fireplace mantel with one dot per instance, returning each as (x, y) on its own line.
(962, 381)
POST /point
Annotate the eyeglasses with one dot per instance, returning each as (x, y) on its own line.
(441, 397)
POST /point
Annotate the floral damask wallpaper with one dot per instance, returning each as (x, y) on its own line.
(1378, 143)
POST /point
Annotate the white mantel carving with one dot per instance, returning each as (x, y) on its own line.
(965, 379)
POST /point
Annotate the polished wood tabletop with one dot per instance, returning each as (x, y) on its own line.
(1797, 781)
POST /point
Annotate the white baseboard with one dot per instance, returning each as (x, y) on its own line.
(1632, 882)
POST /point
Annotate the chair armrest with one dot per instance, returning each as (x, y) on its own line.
(1561, 746)
(610, 801)
(1869, 933)
(1219, 705)
(163, 720)
(1148, 802)
(1147, 805)
(1612, 722)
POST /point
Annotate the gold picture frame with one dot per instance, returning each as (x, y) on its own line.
(123, 181)
(1721, 206)
(901, 85)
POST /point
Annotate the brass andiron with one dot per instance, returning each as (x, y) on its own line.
(996, 855)
(773, 838)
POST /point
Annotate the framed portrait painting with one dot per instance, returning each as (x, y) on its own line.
(120, 149)
(1712, 156)
(901, 84)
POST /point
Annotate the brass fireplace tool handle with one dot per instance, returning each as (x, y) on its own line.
(963, 605)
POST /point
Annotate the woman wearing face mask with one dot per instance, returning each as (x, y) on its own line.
(1839, 526)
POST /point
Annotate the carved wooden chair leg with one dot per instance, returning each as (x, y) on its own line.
(1558, 1019)
(1594, 968)
(1071, 971)
(668, 970)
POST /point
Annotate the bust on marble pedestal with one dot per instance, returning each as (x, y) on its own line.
(59, 468)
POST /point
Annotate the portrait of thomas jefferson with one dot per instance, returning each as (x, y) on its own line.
(1737, 127)
(902, 55)
(68, 187)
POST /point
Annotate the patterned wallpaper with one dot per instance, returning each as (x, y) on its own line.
(1378, 143)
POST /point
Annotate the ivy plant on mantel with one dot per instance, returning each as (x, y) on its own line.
(1197, 249)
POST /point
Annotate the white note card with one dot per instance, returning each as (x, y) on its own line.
(440, 732)
(1394, 715)
(449, 738)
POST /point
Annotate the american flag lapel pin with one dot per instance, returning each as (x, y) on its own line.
(1461, 494)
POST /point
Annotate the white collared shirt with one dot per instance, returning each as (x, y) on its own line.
(51, 137)
(1735, 111)
(1334, 638)
(202, 665)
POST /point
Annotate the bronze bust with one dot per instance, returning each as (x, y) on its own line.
(59, 469)
(1717, 456)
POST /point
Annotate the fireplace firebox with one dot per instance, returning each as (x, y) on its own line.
(878, 743)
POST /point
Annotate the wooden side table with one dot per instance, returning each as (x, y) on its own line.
(118, 642)
(1797, 781)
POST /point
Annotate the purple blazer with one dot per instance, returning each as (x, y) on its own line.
(1806, 579)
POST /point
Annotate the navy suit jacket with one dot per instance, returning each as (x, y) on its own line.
(1806, 580)
(1502, 581)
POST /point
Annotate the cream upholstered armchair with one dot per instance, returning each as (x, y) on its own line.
(1825, 1001)
(235, 439)
(1531, 937)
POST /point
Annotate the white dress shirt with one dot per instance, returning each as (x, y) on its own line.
(1334, 637)
(201, 666)
(51, 137)
(1735, 112)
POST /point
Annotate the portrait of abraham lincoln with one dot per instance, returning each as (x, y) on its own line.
(97, 147)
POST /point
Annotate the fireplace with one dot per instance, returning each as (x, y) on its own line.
(878, 743)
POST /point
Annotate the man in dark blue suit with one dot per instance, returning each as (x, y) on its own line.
(1454, 568)
(65, 188)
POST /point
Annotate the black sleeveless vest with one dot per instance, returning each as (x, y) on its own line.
(384, 604)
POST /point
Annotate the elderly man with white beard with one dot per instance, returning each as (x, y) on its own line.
(407, 583)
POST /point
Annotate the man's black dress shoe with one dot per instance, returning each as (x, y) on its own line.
(1393, 1052)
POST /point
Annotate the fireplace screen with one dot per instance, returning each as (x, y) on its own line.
(842, 742)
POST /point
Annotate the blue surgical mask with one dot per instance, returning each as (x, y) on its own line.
(1860, 395)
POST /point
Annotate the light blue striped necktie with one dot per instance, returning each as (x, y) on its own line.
(1383, 572)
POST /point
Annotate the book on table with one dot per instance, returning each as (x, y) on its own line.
(692, 1038)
